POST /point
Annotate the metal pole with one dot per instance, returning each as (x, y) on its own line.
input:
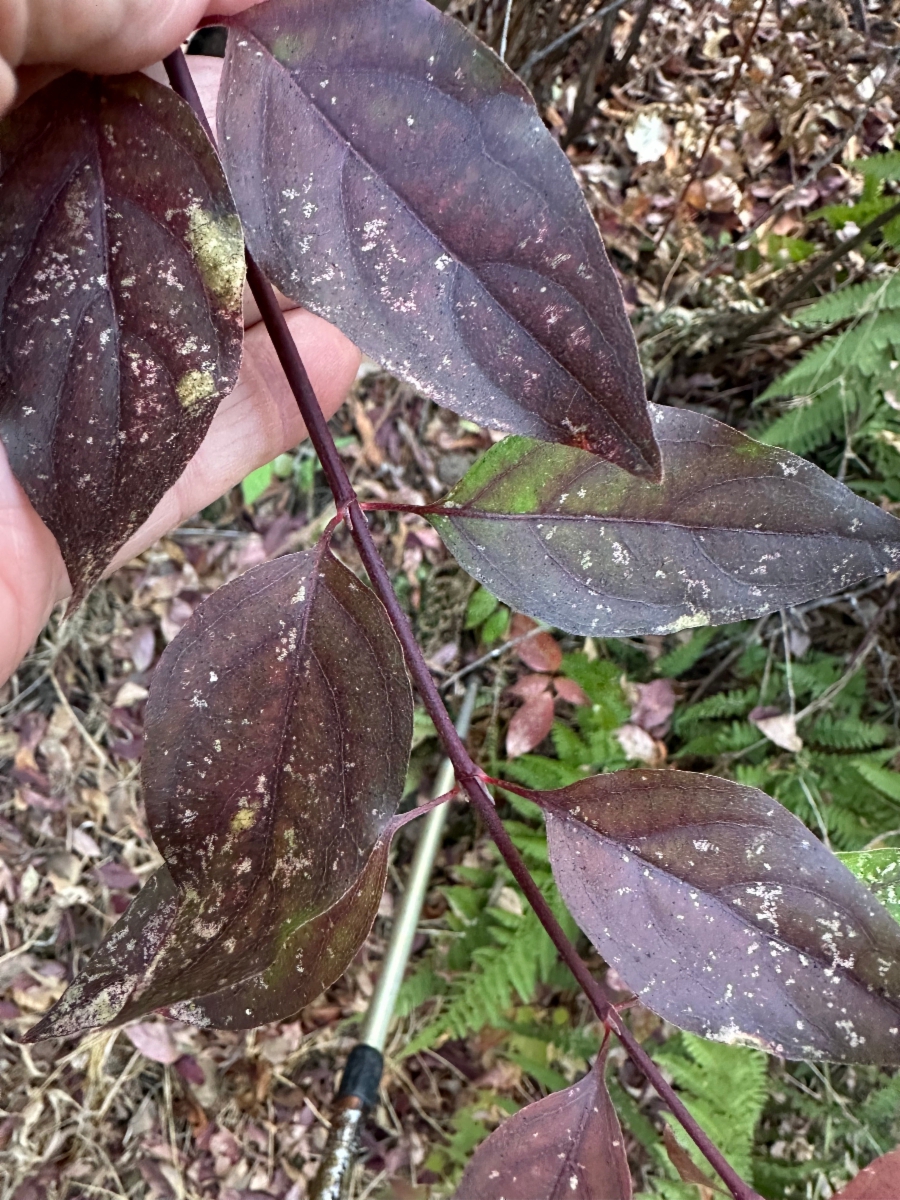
(362, 1074)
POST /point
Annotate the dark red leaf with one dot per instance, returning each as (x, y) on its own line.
(655, 705)
(278, 732)
(568, 1145)
(308, 958)
(541, 651)
(188, 1068)
(154, 1040)
(394, 176)
(530, 725)
(121, 269)
(529, 685)
(735, 530)
(569, 690)
(880, 1180)
(688, 1171)
(114, 875)
(726, 915)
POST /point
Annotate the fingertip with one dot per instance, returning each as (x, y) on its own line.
(228, 8)
(206, 72)
(32, 573)
(7, 86)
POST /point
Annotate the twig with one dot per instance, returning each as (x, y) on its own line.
(858, 16)
(798, 291)
(98, 751)
(619, 67)
(720, 669)
(495, 653)
(563, 38)
(720, 116)
(584, 98)
(859, 655)
(469, 776)
(505, 34)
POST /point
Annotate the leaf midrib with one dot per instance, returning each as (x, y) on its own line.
(310, 98)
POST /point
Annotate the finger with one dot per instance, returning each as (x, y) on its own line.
(256, 423)
(111, 36)
(32, 574)
(106, 36)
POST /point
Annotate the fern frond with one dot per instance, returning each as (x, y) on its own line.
(535, 771)
(572, 749)
(817, 369)
(723, 1086)
(422, 985)
(883, 167)
(683, 657)
(512, 964)
(847, 733)
(808, 426)
(721, 739)
(849, 303)
(885, 781)
(722, 704)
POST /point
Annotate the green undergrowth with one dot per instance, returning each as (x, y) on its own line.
(841, 401)
(794, 1129)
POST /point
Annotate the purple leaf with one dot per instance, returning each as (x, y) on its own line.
(567, 1146)
(530, 724)
(395, 177)
(736, 530)
(121, 269)
(541, 651)
(654, 707)
(726, 915)
(308, 958)
(278, 732)
(880, 1180)
(115, 875)
(154, 1040)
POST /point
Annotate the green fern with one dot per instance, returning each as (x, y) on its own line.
(844, 390)
(880, 871)
(500, 954)
(880, 166)
(683, 657)
(724, 1087)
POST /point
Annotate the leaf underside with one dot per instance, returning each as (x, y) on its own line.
(568, 1146)
(880, 1180)
(726, 915)
(121, 270)
(395, 177)
(735, 530)
(278, 732)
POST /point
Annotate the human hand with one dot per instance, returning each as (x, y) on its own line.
(253, 425)
(39, 38)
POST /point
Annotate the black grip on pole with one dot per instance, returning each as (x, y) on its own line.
(362, 1075)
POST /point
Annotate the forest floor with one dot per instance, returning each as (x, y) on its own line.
(704, 150)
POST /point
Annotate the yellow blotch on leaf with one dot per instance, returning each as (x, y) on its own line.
(218, 248)
(242, 819)
(194, 387)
